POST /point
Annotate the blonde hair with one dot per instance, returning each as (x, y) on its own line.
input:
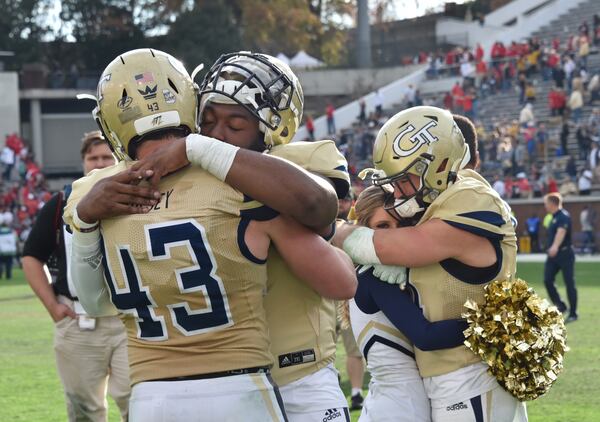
(554, 198)
(343, 314)
(369, 201)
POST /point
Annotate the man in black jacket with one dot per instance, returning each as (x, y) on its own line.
(90, 352)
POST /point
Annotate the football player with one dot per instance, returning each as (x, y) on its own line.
(387, 322)
(187, 269)
(418, 155)
(255, 102)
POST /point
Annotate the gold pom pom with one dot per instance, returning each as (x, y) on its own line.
(519, 335)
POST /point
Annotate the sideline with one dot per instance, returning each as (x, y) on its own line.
(8, 299)
(540, 257)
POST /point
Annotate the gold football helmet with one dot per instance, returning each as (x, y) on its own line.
(140, 92)
(422, 141)
(262, 84)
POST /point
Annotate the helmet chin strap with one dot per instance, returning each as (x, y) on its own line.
(458, 165)
(466, 158)
(408, 208)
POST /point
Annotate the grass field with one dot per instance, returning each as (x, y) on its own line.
(30, 389)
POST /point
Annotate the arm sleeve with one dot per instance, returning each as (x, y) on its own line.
(399, 308)
(41, 241)
(362, 297)
(86, 270)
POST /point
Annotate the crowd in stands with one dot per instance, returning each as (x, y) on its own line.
(522, 156)
(23, 188)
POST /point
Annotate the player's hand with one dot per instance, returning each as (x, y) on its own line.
(552, 252)
(61, 311)
(342, 231)
(164, 160)
(120, 194)
(392, 274)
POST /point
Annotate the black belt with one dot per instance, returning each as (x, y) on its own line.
(232, 372)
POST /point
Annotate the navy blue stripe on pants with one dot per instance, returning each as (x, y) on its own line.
(564, 261)
(477, 408)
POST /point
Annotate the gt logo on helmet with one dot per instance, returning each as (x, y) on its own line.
(422, 137)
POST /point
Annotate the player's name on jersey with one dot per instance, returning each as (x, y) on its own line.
(164, 200)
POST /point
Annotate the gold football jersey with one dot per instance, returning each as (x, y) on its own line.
(301, 322)
(469, 204)
(190, 292)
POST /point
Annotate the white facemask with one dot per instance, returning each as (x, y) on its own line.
(407, 209)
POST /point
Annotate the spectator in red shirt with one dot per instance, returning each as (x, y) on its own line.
(509, 186)
(467, 104)
(513, 50)
(553, 59)
(310, 127)
(330, 119)
(561, 101)
(457, 96)
(523, 185)
(32, 205)
(449, 60)
(478, 53)
(448, 103)
(556, 43)
(553, 101)
(22, 213)
(502, 51)
(15, 143)
(552, 185)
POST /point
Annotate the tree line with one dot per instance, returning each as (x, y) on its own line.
(90, 33)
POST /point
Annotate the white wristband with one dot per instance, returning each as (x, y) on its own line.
(86, 234)
(359, 246)
(214, 156)
(82, 226)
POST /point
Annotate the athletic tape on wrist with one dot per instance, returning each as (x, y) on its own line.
(81, 226)
(359, 246)
(214, 156)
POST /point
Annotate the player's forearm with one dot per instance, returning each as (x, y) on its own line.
(399, 247)
(285, 187)
(39, 280)
(331, 273)
(86, 272)
(328, 270)
(274, 182)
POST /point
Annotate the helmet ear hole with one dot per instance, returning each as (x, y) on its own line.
(442, 167)
(172, 85)
(284, 132)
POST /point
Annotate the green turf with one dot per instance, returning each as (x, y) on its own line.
(29, 386)
(30, 389)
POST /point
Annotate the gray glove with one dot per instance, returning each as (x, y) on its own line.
(392, 274)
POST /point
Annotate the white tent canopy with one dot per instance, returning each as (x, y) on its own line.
(284, 58)
(304, 61)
